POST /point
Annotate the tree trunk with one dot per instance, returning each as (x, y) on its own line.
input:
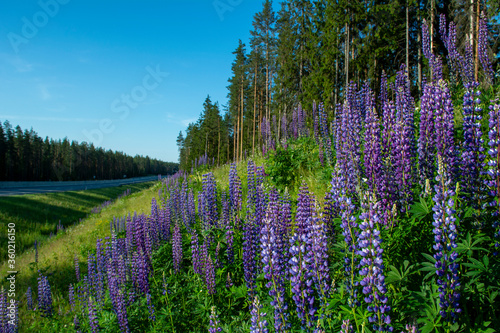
(218, 145)
(337, 70)
(241, 102)
(476, 68)
(254, 108)
(407, 44)
(431, 30)
(347, 41)
(235, 139)
(419, 60)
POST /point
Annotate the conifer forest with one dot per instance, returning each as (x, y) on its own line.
(351, 184)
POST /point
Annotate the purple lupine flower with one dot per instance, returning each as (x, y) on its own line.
(444, 127)
(76, 323)
(436, 130)
(184, 204)
(372, 151)
(249, 253)
(426, 44)
(29, 299)
(71, 296)
(195, 253)
(315, 125)
(142, 273)
(435, 62)
(272, 255)
(82, 298)
(91, 274)
(317, 257)
(210, 276)
(100, 273)
(387, 190)
(131, 297)
(93, 320)
(445, 234)
(204, 256)
(483, 47)
(346, 327)
(168, 220)
(492, 181)
(234, 188)
(348, 133)
(372, 268)
(259, 323)
(472, 157)
(403, 149)
(251, 183)
(116, 294)
(301, 278)
(177, 248)
(304, 209)
(285, 217)
(229, 281)
(3, 309)
(210, 200)
(253, 221)
(151, 308)
(77, 268)
(456, 61)
(214, 322)
(44, 296)
(411, 328)
(469, 62)
(191, 209)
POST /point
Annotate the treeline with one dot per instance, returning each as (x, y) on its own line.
(311, 50)
(24, 156)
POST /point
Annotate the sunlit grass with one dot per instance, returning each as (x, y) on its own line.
(36, 216)
(56, 255)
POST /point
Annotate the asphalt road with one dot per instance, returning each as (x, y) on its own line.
(45, 187)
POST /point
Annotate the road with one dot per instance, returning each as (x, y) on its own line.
(20, 188)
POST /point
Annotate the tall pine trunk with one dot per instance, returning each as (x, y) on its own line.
(254, 108)
(347, 41)
(241, 103)
(407, 44)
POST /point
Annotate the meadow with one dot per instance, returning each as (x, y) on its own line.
(381, 214)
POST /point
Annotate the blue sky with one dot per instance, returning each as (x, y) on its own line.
(126, 75)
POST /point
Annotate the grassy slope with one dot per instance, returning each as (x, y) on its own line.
(36, 216)
(56, 255)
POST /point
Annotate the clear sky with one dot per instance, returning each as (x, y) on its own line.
(126, 75)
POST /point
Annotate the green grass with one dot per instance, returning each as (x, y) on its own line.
(36, 216)
(56, 255)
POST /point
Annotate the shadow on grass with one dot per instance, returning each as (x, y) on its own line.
(36, 216)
